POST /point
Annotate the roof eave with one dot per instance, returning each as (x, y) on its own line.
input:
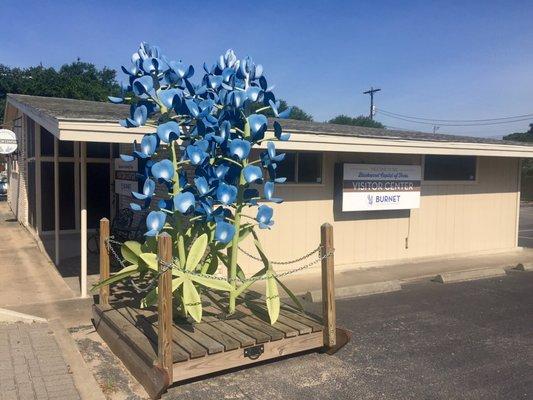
(91, 131)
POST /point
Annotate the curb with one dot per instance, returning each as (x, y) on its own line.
(84, 380)
(469, 275)
(13, 316)
(345, 292)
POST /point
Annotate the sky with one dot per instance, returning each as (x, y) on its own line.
(431, 59)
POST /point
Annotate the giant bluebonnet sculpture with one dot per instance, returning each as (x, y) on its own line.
(207, 128)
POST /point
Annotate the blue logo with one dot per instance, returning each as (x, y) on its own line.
(370, 199)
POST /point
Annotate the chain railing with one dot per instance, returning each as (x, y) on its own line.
(174, 265)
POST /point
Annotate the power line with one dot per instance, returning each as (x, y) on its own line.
(435, 122)
(455, 120)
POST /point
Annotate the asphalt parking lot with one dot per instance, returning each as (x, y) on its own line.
(470, 340)
(525, 234)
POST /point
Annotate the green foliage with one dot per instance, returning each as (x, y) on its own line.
(527, 164)
(521, 136)
(77, 80)
(357, 121)
(296, 113)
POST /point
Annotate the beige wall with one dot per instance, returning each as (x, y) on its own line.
(452, 218)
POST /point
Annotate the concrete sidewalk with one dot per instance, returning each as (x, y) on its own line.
(31, 364)
(26, 274)
(347, 280)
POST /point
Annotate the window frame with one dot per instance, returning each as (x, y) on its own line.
(448, 182)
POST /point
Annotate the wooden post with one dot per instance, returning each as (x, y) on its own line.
(104, 259)
(164, 306)
(328, 286)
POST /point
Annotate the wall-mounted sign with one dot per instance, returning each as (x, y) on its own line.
(121, 165)
(8, 141)
(126, 177)
(125, 188)
(367, 187)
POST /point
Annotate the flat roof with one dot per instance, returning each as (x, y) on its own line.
(68, 119)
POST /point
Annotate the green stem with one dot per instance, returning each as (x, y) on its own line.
(178, 223)
(234, 247)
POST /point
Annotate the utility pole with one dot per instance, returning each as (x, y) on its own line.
(371, 93)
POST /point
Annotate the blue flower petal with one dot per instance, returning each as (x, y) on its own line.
(252, 173)
(201, 185)
(155, 221)
(240, 148)
(226, 194)
(115, 100)
(264, 216)
(184, 202)
(168, 131)
(163, 169)
(224, 232)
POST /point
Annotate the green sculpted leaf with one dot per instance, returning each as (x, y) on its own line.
(191, 299)
(150, 299)
(212, 283)
(123, 273)
(150, 259)
(272, 299)
(196, 252)
(291, 295)
(130, 251)
(176, 283)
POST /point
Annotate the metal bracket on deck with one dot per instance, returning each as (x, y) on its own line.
(254, 352)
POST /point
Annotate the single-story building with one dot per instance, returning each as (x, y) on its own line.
(391, 195)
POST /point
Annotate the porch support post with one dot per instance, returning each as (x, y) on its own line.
(83, 220)
(56, 200)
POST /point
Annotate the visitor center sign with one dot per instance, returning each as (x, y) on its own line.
(368, 187)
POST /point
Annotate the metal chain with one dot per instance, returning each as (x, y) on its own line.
(282, 262)
(169, 265)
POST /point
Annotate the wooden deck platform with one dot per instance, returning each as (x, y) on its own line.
(218, 343)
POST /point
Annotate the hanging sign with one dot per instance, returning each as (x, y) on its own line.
(368, 187)
(8, 141)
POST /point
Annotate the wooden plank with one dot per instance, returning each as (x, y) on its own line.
(164, 304)
(200, 337)
(104, 260)
(241, 337)
(128, 332)
(146, 321)
(226, 340)
(263, 326)
(154, 380)
(286, 325)
(328, 285)
(301, 318)
(259, 336)
(235, 358)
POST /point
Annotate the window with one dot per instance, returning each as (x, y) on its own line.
(450, 168)
(30, 137)
(300, 167)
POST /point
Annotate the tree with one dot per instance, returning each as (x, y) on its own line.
(521, 136)
(358, 121)
(527, 164)
(77, 80)
(296, 113)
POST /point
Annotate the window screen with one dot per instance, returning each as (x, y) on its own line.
(30, 137)
(47, 143)
(450, 168)
(287, 168)
(309, 167)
